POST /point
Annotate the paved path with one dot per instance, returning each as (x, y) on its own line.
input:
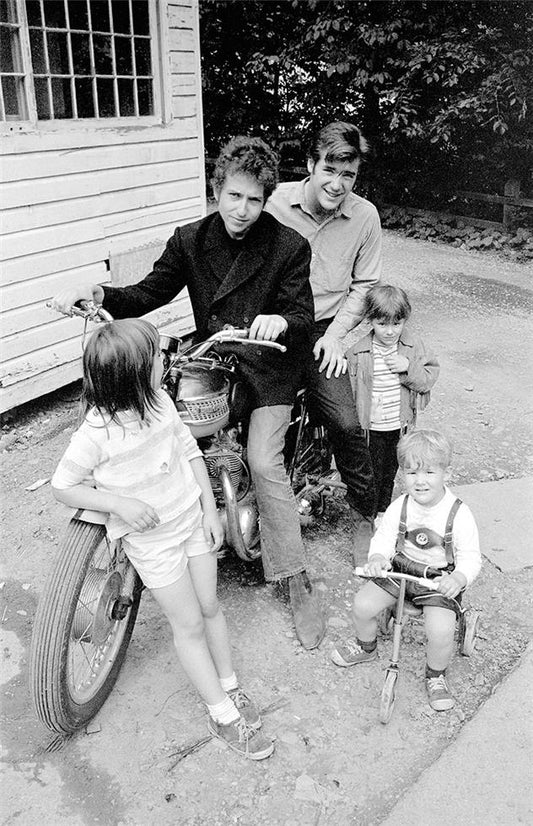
(485, 778)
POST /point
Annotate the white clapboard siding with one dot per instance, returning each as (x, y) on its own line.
(79, 200)
(121, 197)
(24, 193)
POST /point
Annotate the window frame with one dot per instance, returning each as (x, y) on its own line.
(32, 124)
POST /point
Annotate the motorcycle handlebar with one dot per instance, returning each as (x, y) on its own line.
(86, 309)
(231, 335)
(228, 335)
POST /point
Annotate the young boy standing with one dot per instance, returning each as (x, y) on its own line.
(392, 373)
(426, 527)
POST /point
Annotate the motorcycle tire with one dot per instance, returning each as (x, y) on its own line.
(79, 640)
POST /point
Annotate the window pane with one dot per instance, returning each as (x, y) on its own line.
(106, 98)
(81, 54)
(58, 53)
(121, 16)
(14, 98)
(9, 50)
(125, 97)
(142, 56)
(41, 96)
(33, 12)
(54, 14)
(100, 16)
(144, 94)
(8, 11)
(103, 61)
(61, 96)
(84, 97)
(141, 21)
(123, 56)
(78, 14)
(37, 51)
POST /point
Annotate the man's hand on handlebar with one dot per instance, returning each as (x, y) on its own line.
(267, 327)
(66, 299)
(333, 359)
(376, 564)
(449, 585)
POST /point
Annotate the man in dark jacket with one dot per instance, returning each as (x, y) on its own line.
(242, 267)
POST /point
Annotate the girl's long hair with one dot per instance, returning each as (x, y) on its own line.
(117, 369)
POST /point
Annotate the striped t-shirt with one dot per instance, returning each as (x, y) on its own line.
(150, 462)
(385, 412)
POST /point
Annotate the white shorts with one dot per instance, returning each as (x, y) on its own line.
(160, 555)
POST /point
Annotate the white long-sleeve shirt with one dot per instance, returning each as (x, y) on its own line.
(150, 462)
(465, 535)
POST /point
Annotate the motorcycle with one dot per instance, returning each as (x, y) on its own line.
(87, 612)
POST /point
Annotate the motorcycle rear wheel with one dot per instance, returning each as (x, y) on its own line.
(79, 642)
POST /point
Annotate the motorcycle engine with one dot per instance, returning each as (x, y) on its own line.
(224, 450)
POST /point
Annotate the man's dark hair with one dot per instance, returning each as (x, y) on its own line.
(247, 156)
(341, 142)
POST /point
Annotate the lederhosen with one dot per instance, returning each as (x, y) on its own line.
(421, 537)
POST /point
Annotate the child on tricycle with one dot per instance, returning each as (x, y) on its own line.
(427, 528)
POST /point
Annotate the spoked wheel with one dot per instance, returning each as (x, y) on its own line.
(82, 627)
(468, 631)
(388, 697)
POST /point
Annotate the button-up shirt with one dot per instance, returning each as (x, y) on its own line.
(346, 252)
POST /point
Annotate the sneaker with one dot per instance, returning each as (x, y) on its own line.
(440, 698)
(352, 654)
(243, 739)
(245, 707)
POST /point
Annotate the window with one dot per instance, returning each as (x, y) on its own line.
(88, 59)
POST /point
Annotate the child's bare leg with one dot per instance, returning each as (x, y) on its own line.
(203, 571)
(368, 604)
(180, 605)
(440, 630)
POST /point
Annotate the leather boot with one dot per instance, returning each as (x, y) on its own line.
(363, 530)
(308, 620)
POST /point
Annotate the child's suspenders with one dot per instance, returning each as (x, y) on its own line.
(446, 542)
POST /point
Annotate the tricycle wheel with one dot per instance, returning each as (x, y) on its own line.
(469, 622)
(82, 628)
(388, 697)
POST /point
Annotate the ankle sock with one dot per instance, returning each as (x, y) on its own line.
(229, 683)
(224, 712)
(369, 647)
(432, 672)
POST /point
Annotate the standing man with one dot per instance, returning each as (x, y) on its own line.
(242, 267)
(344, 232)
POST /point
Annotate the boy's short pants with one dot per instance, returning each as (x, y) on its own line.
(415, 593)
(160, 555)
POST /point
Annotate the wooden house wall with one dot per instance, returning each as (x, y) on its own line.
(84, 204)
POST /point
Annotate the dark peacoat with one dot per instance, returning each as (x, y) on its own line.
(231, 283)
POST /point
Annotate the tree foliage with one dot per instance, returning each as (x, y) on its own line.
(443, 90)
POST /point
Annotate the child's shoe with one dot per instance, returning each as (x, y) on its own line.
(243, 739)
(245, 707)
(351, 653)
(440, 697)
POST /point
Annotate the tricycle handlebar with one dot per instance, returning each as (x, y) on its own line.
(427, 583)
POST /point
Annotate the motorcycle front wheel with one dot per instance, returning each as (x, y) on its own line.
(82, 627)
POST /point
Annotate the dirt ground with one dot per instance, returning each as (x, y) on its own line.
(334, 763)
